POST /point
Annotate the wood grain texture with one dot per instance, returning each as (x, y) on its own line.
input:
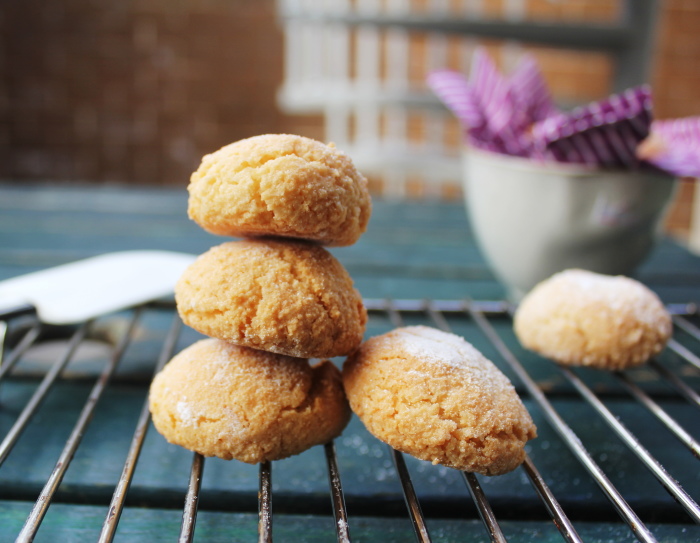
(409, 251)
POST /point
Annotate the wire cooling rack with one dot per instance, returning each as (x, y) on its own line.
(599, 431)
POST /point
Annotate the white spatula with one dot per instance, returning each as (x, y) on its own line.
(81, 290)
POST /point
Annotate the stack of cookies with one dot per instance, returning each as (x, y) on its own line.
(268, 302)
(277, 298)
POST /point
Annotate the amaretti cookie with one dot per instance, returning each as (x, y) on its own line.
(582, 318)
(431, 394)
(285, 297)
(219, 399)
(280, 185)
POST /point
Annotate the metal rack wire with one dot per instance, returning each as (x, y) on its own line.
(485, 315)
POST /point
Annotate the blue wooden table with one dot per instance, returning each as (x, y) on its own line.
(417, 263)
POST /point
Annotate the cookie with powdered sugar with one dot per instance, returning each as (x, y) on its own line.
(433, 395)
(281, 185)
(286, 297)
(233, 402)
(582, 318)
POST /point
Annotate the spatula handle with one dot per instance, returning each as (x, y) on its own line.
(9, 312)
(15, 310)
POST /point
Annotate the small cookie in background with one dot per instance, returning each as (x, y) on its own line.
(582, 318)
(280, 185)
(286, 297)
(232, 402)
(432, 395)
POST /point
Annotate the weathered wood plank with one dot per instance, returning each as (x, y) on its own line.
(411, 250)
(81, 523)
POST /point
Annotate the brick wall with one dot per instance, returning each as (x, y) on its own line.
(133, 91)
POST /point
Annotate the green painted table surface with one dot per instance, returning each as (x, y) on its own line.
(411, 252)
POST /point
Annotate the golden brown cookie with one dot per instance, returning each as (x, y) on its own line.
(431, 394)
(287, 297)
(222, 400)
(280, 185)
(582, 318)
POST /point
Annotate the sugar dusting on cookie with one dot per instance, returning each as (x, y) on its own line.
(231, 425)
(618, 293)
(184, 412)
(234, 428)
(435, 346)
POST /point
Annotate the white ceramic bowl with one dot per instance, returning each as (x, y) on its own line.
(533, 219)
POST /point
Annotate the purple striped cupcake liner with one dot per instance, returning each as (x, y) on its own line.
(530, 91)
(674, 146)
(458, 95)
(517, 116)
(606, 132)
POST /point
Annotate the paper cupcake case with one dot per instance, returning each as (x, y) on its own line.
(516, 115)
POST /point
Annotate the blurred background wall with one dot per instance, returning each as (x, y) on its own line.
(136, 91)
(133, 91)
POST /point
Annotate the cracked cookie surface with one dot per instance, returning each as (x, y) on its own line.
(431, 394)
(280, 185)
(287, 297)
(232, 402)
(581, 318)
